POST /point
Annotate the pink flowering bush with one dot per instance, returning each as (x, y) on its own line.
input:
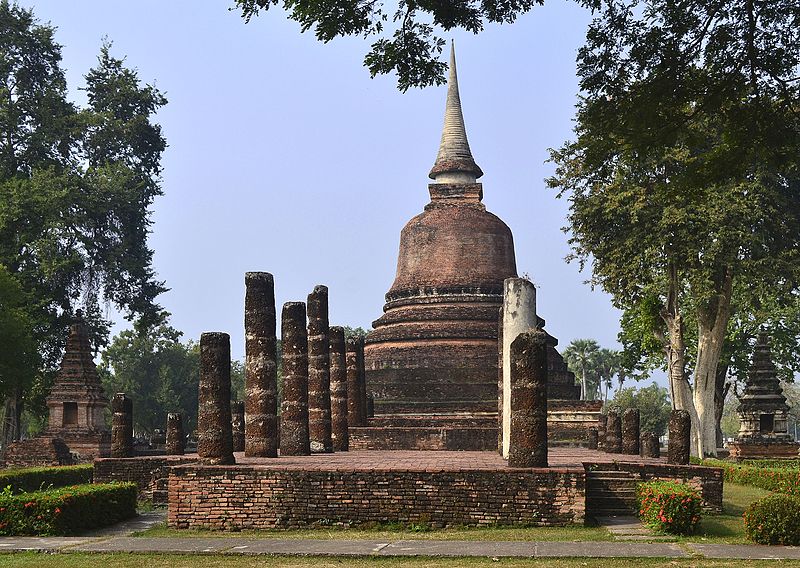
(669, 506)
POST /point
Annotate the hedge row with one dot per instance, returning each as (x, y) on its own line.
(39, 478)
(67, 510)
(779, 479)
(669, 506)
(780, 464)
(775, 519)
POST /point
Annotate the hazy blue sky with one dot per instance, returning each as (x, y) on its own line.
(285, 156)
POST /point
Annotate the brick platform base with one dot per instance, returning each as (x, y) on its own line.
(437, 488)
(149, 473)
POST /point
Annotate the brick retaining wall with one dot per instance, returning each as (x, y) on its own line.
(149, 473)
(707, 480)
(249, 497)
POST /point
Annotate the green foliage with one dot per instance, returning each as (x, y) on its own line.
(76, 186)
(652, 402)
(157, 371)
(37, 478)
(669, 506)
(775, 519)
(354, 332)
(18, 358)
(684, 173)
(780, 479)
(413, 47)
(67, 510)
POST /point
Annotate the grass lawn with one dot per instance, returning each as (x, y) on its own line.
(576, 532)
(729, 526)
(180, 561)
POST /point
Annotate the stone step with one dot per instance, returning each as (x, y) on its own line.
(610, 474)
(611, 485)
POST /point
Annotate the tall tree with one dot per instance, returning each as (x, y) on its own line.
(685, 173)
(413, 48)
(75, 190)
(581, 356)
(156, 370)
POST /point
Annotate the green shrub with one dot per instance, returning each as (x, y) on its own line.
(668, 506)
(66, 510)
(778, 479)
(780, 464)
(774, 519)
(39, 478)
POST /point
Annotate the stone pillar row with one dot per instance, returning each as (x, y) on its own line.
(324, 382)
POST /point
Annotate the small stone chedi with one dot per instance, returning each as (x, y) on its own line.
(763, 425)
(76, 428)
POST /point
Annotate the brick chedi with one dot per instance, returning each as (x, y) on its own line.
(763, 412)
(434, 350)
(77, 403)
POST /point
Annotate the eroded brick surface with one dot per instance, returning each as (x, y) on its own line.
(261, 367)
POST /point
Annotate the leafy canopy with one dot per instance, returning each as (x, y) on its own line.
(407, 34)
(76, 186)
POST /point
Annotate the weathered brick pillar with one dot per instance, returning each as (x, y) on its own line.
(354, 417)
(294, 408)
(319, 369)
(370, 406)
(613, 441)
(261, 366)
(214, 431)
(237, 425)
(630, 431)
(519, 315)
(528, 444)
(680, 437)
(339, 434)
(362, 383)
(121, 426)
(176, 438)
(649, 446)
(601, 432)
(592, 436)
(500, 430)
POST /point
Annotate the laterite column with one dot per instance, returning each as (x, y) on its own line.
(176, 438)
(630, 431)
(319, 377)
(261, 367)
(121, 426)
(613, 441)
(680, 437)
(339, 434)
(528, 443)
(294, 408)
(237, 425)
(214, 432)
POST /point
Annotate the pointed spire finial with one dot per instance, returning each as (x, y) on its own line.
(454, 162)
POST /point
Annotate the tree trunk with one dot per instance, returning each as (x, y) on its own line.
(675, 348)
(584, 383)
(721, 392)
(12, 413)
(712, 323)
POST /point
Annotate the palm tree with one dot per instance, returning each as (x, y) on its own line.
(581, 358)
(609, 364)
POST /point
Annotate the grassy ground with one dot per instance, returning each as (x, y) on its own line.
(403, 533)
(179, 561)
(728, 527)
